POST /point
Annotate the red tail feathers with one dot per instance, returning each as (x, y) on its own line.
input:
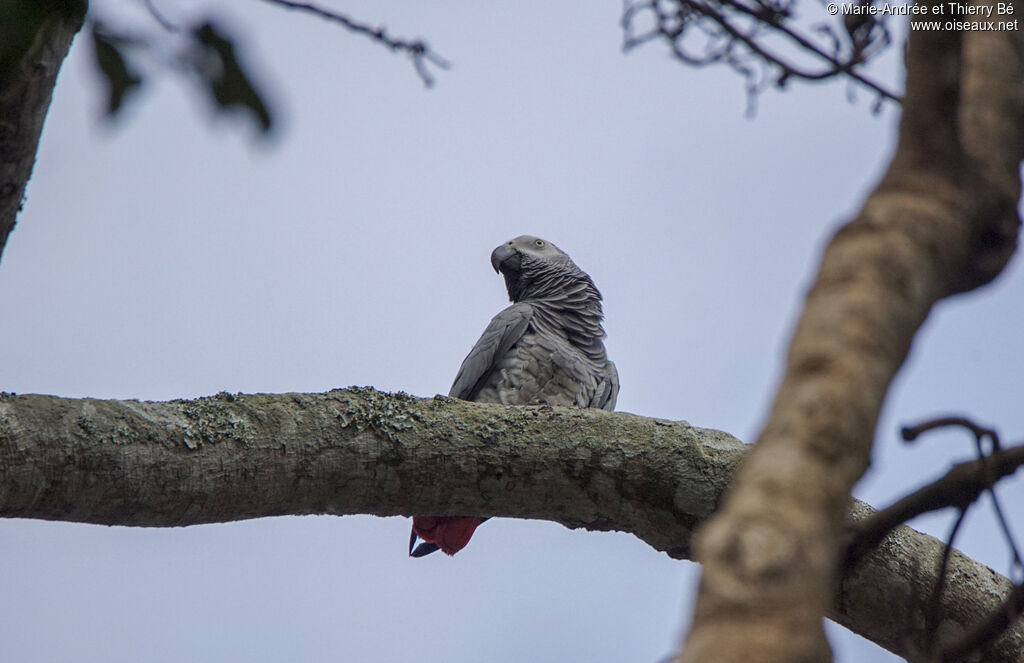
(449, 533)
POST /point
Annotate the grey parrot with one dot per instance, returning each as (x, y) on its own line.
(546, 347)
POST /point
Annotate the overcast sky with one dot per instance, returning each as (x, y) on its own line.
(169, 256)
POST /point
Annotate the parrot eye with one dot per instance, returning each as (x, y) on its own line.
(539, 242)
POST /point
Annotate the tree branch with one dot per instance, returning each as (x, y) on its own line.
(231, 457)
(356, 451)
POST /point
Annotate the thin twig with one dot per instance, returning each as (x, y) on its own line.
(911, 433)
(931, 624)
(160, 18)
(988, 630)
(417, 49)
(730, 30)
(960, 486)
(838, 67)
(1016, 564)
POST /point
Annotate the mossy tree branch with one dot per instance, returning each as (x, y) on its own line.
(348, 451)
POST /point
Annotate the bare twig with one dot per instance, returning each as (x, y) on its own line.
(417, 49)
(738, 33)
(160, 18)
(991, 475)
(837, 66)
(1016, 565)
(988, 630)
(911, 433)
(935, 602)
(960, 486)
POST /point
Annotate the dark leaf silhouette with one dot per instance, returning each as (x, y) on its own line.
(227, 82)
(121, 78)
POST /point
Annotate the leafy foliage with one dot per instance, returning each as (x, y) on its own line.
(207, 56)
(225, 78)
(120, 76)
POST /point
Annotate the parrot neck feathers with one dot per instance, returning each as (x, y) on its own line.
(564, 298)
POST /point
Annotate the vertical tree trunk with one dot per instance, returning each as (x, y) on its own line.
(35, 35)
(943, 220)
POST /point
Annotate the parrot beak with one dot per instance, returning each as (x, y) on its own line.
(505, 259)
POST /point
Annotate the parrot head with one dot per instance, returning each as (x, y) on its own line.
(530, 266)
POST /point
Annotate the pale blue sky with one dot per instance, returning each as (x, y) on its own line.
(170, 257)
